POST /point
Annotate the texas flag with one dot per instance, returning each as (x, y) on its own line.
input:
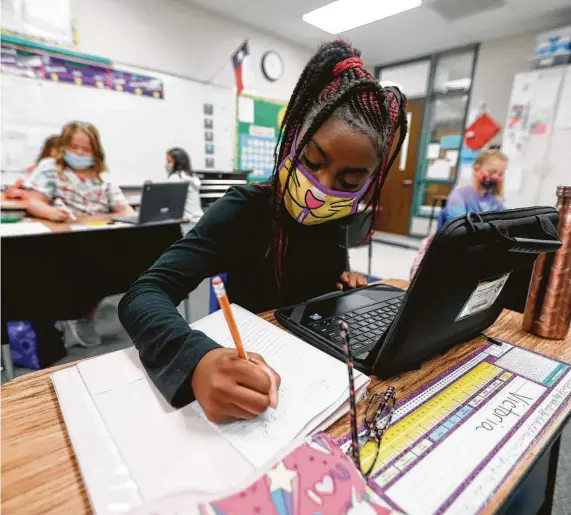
(238, 59)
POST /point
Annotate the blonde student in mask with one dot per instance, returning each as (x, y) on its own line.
(178, 169)
(279, 243)
(74, 176)
(70, 185)
(486, 191)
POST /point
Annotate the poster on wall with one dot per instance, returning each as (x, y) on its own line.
(43, 65)
(21, 63)
(542, 112)
(71, 72)
(517, 127)
(258, 126)
(142, 85)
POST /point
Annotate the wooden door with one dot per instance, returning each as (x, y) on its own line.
(396, 197)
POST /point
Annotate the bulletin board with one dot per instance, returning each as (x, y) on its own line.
(258, 123)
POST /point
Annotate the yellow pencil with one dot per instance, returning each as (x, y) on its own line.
(220, 291)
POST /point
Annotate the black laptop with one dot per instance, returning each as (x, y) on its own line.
(160, 202)
(459, 290)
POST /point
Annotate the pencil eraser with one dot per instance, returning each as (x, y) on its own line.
(218, 287)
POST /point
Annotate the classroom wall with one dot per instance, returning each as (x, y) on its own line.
(498, 62)
(177, 37)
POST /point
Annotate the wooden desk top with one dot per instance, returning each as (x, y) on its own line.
(40, 473)
(134, 199)
(66, 226)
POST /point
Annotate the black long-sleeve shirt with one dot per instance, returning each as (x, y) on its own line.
(233, 237)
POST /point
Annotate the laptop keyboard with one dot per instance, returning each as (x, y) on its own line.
(365, 329)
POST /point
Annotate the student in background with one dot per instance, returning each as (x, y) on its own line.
(279, 243)
(484, 194)
(178, 169)
(74, 175)
(486, 191)
(15, 191)
(49, 150)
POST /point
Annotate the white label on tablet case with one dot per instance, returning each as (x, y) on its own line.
(483, 297)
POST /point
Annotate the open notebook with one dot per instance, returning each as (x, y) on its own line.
(132, 447)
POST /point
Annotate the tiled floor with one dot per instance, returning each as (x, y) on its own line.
(389, 261)
(109, 328)
(388, 237)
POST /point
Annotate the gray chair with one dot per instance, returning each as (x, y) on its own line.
(356, 230)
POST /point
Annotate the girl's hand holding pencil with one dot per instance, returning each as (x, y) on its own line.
(231, 384)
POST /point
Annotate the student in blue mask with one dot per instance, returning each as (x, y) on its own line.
(74, 176)
(71, 182)
(279, 243)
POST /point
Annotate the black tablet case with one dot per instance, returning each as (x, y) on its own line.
(467, 251)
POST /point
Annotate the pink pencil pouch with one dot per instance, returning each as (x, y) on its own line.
(314, 477)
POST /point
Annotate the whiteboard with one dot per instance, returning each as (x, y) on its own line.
(135, 131)
(543, 160)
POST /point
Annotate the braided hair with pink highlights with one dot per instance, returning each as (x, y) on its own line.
(335, 84)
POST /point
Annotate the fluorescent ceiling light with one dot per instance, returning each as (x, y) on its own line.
(343, 15)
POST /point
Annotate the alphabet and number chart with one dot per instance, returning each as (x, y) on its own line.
(452, 443)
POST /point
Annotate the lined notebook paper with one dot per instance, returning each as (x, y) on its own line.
(133, 447)
(314, 385)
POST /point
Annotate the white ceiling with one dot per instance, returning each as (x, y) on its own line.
(417, 32)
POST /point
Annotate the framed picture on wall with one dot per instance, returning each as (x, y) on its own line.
(208, 123)
(209, 149)
(208, 136)
(208, 109)
(209, 162)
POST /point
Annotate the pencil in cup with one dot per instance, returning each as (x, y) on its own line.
(344, 333)
(220, 291)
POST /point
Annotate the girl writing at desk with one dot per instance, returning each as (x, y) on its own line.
(74, 177)
(279, 243)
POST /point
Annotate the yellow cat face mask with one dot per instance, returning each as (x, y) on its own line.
(309, 202)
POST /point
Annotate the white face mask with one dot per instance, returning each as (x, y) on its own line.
(169, 168)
